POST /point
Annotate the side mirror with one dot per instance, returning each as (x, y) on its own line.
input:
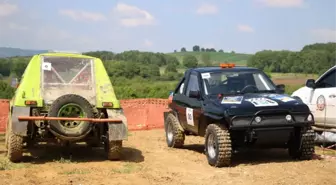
(281, 88)
(195, 94)
(310, 83)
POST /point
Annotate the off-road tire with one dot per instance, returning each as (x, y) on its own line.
(15, 146)
(174, 135)
(84, 128)
(307, 149)
(222, 141)
(114, 150)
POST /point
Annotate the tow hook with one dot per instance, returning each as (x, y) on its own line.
(250, 136)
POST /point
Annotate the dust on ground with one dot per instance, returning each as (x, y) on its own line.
(147, 160)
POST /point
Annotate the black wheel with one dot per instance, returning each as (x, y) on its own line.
(71, 105)
(218, 145)
(114, 150)
(15, 146)
(302, 147)
(174, 135)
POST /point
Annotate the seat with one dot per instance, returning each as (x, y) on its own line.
(235, 84)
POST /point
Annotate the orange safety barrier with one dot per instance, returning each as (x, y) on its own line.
(142, 114)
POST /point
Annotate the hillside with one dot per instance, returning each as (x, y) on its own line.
(12, 52)
(216, 57)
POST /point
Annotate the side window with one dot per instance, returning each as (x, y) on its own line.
(327, 81)
(180, 88)
(193, 84)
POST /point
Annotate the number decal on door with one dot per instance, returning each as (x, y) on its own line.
(190, 117)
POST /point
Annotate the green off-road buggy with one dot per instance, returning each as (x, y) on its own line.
(66, 98)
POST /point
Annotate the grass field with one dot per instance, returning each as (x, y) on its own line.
(217, 57)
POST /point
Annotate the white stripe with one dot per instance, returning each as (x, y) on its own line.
(263, 81)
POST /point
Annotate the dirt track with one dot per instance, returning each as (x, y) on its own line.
(148, 161)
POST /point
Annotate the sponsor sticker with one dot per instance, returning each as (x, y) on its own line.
(190, 116)
(46, 66)
(320, 103)
(232, 100)
(206, 75)
(281, 97)
(262, 102)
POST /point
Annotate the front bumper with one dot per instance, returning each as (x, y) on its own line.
(271, 119)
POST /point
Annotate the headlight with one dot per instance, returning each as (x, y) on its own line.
(310, 117)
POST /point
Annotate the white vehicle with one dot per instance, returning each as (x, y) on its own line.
(320, 96)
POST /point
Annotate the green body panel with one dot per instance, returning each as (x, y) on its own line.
(29, 88)
(104, 88)
(30, 84)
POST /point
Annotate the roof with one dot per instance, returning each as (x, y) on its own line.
(63, 54)
(217, 69)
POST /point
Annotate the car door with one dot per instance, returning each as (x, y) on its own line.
(179, 104)
(323, 99)
(193, 103)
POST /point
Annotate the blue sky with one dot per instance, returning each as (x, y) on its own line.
(244, 26)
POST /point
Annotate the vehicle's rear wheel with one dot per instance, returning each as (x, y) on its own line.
(218, 145)
(174, 135)
(114, 150)
(71, 105)
(304, 150)
(15, 145)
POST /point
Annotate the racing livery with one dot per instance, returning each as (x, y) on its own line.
(236, 107)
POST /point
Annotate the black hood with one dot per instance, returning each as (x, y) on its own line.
(250, 103)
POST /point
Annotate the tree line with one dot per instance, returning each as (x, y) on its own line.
(197, 48)
(136, 74)
(312, 59)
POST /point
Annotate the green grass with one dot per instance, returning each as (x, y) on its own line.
(217, 57)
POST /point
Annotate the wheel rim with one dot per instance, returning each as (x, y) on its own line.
(211, 146)
(169, 132)
(71, 110)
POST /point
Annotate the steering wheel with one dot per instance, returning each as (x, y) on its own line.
(253, 86)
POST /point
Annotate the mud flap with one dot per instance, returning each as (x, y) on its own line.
(19, 127)
(117, 131)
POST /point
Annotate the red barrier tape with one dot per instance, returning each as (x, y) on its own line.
(142, 114)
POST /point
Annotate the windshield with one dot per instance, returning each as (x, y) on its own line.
(67, 75)
(225, 82)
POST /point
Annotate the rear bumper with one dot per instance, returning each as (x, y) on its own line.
(40, 118)
(323, 127)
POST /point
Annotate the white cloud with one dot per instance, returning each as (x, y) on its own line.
(132, 16)
(245, 28)
(7, 9)
(148, 43)
(80, 15)
(281, 3)
(324, 35)
(207, 9)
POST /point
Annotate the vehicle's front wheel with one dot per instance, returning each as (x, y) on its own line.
(174, 135)
(304, 150)
(218, 145)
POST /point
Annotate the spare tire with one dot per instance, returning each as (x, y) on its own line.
(71, 105)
